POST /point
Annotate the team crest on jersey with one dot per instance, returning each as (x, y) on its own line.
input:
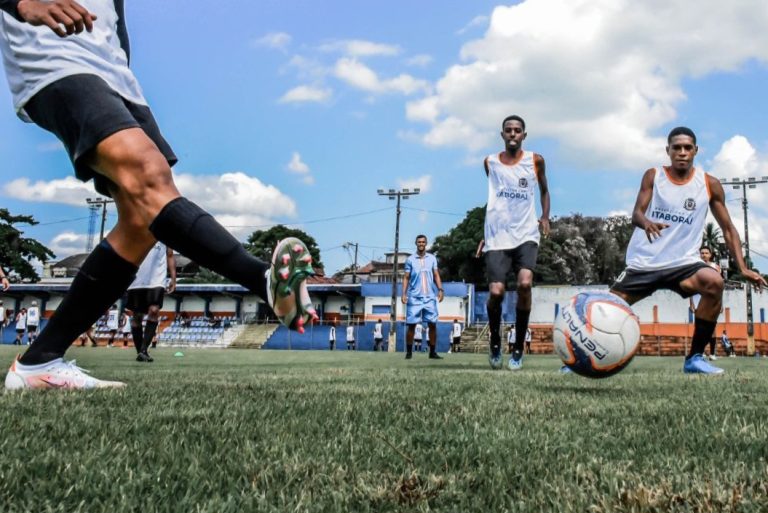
(523, 183)
(690, 204)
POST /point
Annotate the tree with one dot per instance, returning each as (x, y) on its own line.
(455, 251)
(261, 243)
(712, 237)
(17, 251)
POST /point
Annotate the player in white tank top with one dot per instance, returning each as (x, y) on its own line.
(512, 231)
(669, 217)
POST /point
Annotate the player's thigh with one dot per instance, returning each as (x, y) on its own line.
(706, 281)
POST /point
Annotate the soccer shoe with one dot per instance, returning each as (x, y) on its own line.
(565, 370)
(408, 355)
(494, 358)
(435, 356)
(515, 364)
(144, 357)
(286, 280)
(696, 364)
(712, 358)
(54, 374)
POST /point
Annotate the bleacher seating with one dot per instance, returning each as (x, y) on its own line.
(196, 331)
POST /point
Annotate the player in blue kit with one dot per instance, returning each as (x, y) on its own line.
(422, 290)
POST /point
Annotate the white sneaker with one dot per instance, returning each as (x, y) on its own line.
(54, 374)
(712, 358)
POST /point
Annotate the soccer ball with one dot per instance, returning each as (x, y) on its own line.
(596, 334)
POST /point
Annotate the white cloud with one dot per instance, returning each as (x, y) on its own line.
(602, 77)
(68, 191)
(276, 40)
(477, 21)
(419, 60)
(424, 183)
(296, 165)
(68, 243)
(615, 213)
(305, 93)
(360, 76)
(360, 48)
(306, 68)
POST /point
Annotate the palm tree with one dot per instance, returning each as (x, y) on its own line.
(713, 238)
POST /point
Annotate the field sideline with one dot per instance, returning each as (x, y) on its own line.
(245, 430)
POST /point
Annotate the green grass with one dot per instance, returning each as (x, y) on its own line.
(243, 431)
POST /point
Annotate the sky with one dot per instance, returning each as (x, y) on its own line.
(296, 112)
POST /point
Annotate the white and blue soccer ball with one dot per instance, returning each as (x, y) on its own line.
(596, 334)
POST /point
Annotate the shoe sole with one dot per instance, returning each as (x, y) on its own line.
(291, 266)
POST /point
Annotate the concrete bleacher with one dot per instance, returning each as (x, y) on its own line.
(316, 337)
(198, 332)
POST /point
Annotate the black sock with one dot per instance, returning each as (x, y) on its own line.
(102, 279)
(494, 320)
(149, 332)
(194, 233)
(521, 329)
(409, 348)
(138, 335)
(702, 334)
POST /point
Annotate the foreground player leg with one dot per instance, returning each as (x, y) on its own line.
(137, 330)
(523, 314)
(709, 284)
(495, 299)
(409, 341)
(150, 328)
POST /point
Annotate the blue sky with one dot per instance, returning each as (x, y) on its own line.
(295, 112)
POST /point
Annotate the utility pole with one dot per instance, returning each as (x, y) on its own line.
(347, 245)
(744, 184)
(95, 203)
(395, 195)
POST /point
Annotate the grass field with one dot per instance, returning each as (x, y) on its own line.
(245, 430)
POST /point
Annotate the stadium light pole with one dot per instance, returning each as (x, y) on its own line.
(347, 245)
(395, 195)
(100, 202)
(747, 183)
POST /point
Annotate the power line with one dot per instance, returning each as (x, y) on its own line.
(61, 221)
(435, 211)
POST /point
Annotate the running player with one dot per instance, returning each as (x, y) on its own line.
(74, 81)
(378, 335)
(145, 296)
(663, 253)
(113, 323)
(33, 322)
(422, 290)
(511, 242)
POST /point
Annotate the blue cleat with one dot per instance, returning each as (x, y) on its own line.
(494, 358)
(696, 364)
(565, 370)
(515, 362)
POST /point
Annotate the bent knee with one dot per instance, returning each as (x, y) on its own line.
(714, 287)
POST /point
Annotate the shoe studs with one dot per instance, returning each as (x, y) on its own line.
(298, 248)
(286, 259)
(284, 273)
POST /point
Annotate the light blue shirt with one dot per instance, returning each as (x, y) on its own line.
(421, 271)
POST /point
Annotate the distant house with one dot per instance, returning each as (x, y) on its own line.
(375, 271)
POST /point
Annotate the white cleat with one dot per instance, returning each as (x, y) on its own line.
(54, 374)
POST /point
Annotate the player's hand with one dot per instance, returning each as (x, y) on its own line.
(544, 226)
(171, 288)
(440, 296)
(6, 283)
(64, 17)
(404, 299)
(755, 278)
(653, 230)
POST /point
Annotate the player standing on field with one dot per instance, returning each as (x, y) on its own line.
(378, 335)
(422, 290)
(332, 337)
(145, 296)
(113, 323)
(663, 253)
(33, 322)
(21, 326)
(351, 346)
(456, 336)
(511, 242)
(74, 81)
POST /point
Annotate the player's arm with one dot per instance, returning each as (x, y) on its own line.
(731, 236)
(541, 177)
(4, 280)
(485, 166)
(652, 230)
(171, 263)
(439, 283)
(406, 279)
(480, 246)
(64, 17)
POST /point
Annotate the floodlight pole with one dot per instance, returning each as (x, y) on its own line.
(751, 183)
(100, 202)
(395, 195)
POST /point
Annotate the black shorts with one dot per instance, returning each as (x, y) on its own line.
(645, 283)
(457, 340)
(139, 300)
(499, 263)
(82, 110)
(31, 329)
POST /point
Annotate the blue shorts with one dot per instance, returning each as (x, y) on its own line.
(419, 310)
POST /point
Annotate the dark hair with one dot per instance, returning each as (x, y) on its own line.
(513, 117)
(705, 247)
(681, 130)
(421, 237)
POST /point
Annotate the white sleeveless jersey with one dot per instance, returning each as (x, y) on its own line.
(113, 316)
(33, 316)
(153, 270)
(510, 217)
(21, 322)
(682, 206)
(377, 330)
